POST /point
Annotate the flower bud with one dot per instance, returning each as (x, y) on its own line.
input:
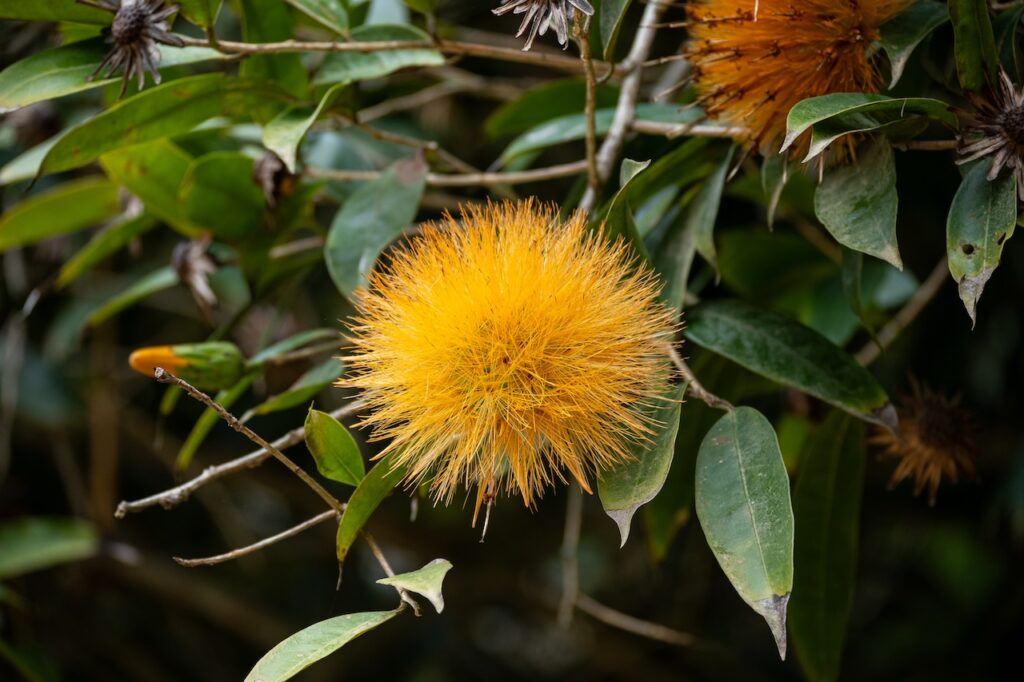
(208, 366)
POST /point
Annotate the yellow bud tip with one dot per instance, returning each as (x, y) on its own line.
(146, 360)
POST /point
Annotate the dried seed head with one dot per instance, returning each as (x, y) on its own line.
(138, 26)
(996, 130)
(540, 14)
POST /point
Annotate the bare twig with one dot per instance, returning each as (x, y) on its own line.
(625, 109)
(168, 499)
(590, 108)
(907, 314)
(165, 377)
(622, 621)
(690, 130)
(308, 352)
(256, 546)
(570, 558)
(383, 561)
(464, 180)
(693, 386)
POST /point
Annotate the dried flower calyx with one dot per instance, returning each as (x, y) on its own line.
(936, 440)
(540, 14)
(138, 26)
(996, 130)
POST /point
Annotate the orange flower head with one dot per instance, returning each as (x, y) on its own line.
(508, 347)
(754, 59)
(936, 440)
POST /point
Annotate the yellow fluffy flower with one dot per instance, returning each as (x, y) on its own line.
(754, 59)
(509, 347)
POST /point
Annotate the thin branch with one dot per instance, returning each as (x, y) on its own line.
(625, 109)
(308, 352)
(622, 621)
(590, 108)
(168, 499)
(927, 145)
(907, 314)
(256, 546)
(463, 180)
(693, 386)
(570, 556)
(382, 560)
(671, 130)
(165, 377)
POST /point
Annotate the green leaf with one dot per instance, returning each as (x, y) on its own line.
(218, 193)
(774, 176)
(349, 67)
(826, 503)
(53, 10)
(673, 261)
(104, 243)
(425, 581)
(308, 646)
(336, 452)
(982, 217)
(853, 285)
(26, 165)
(268, 22)
(33, 543)
(292, 343)
(209, 418)
(742, 501)
(574, 127)
(165, 110)
(612, 13)
(145, 286)
(789, 353)
(303, 390)
(153, 172)
(618, 220)
(901, 35)
(366, 223)
(703, 211)
(830, 117)
(330, 14)
(64, 70)
(69, 207)
(368, 495)
(856, 202)
(544, 102)
(285, 132)
(974, 45)
(202, 13)
(633, 484)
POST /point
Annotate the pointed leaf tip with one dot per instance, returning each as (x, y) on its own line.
(773, 610)
(622, 518)
(426, 581)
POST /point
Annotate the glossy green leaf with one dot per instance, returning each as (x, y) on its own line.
(202, 13)
(703, 210)
(826, 503)
(349, 67)
(33, 543)
(974, 46)
(219, 194)
(774, 176)
(618, 220)
(853, 285)
(72, 206)
(330, 14)
(268, 22)
(334, 449)
(371, 491)
(209, 418)
(153, 172)
(426, 581)
(543, 103)
(64, 70)
(285, 132)
(856, 202)
(742, 501)
(53, 10)
(787, 352)
(673, 261)
(162, 111)
(366, 223)
(982, 217)
(901, 35)
(633, 484)
(103, 244)
(308, 646)
(293, 343)
(830, 117)
(574, 127)
(609, 23)
(303, 390)
(26, 165)
(145, 286)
